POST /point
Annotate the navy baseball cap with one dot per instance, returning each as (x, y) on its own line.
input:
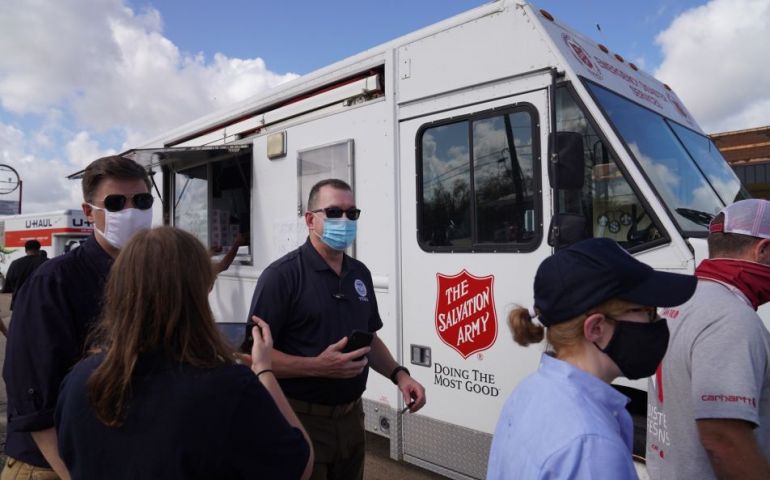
(588, 273)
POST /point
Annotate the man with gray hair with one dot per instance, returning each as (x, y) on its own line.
(709, 403)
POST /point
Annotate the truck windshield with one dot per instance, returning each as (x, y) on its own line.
(685, 167)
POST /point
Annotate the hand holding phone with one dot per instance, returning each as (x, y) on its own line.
(262, 347)
(358, 339)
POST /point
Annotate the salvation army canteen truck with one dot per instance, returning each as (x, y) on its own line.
(58, 232)
(475, 147)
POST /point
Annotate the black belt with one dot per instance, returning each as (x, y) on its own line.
(318, 410)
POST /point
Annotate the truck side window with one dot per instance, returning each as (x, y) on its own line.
(478, 185)
(609, 204)
(317, 163)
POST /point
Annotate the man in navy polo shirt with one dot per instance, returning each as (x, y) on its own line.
(55, 310)
(21, 268)
(313, 298)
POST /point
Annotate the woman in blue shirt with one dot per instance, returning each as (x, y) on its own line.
(163, 395)
(596, 307)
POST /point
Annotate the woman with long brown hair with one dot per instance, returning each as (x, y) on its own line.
(163, 395)
(596, 306)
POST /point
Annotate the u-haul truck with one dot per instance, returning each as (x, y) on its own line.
(475, 147)
(58, 232)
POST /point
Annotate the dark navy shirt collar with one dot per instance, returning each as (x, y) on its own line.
(317, 261)
(95, 253)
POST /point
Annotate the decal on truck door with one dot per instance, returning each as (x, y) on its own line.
(465, 312)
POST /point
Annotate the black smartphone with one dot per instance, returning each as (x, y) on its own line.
(358, 339)
(248, 340)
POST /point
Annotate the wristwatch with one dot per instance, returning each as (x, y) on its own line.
(395, 371)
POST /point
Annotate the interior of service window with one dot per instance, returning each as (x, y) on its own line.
(212, 200)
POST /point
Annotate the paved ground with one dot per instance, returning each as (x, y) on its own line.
(379, 466)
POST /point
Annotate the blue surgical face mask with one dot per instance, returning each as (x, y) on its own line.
(339, 233)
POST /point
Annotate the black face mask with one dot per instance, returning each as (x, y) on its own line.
(637, 348)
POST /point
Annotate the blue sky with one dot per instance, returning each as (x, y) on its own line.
(303, 36)
(83, 78)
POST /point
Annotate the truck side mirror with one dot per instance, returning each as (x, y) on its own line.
(569, 166)
(566, 229)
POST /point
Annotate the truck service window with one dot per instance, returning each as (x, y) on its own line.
(607, 201)
(478, 183)
(213, 202)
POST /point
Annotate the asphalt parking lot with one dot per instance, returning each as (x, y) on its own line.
(379, 466)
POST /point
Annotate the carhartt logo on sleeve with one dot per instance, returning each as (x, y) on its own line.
(730, 399)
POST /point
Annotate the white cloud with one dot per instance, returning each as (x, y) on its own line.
(715, 58)
(44, 185)
(12, 141)
(82, 150)
(83, 78)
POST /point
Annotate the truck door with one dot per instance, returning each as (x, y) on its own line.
(472, 237)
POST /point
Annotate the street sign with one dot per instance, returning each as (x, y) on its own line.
(9, 207)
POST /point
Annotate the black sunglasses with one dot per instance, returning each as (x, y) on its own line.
(116, 202)
(336, 212)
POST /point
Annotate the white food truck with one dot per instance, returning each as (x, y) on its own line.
(58, 232)
(475, 147)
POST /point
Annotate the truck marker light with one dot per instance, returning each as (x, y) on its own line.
(546, 15)
(633, 67)
(603, 48)
(619, 58)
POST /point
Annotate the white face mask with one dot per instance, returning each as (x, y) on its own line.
(121, 225)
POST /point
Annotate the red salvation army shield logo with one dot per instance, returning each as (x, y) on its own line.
(465, 312)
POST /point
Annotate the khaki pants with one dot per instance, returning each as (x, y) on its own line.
(18, 470)
(338, 438)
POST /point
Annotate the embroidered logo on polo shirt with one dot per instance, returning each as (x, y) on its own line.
(360, 288)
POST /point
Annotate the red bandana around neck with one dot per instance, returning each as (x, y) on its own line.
(751, 278)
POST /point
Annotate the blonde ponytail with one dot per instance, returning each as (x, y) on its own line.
(523, 329)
